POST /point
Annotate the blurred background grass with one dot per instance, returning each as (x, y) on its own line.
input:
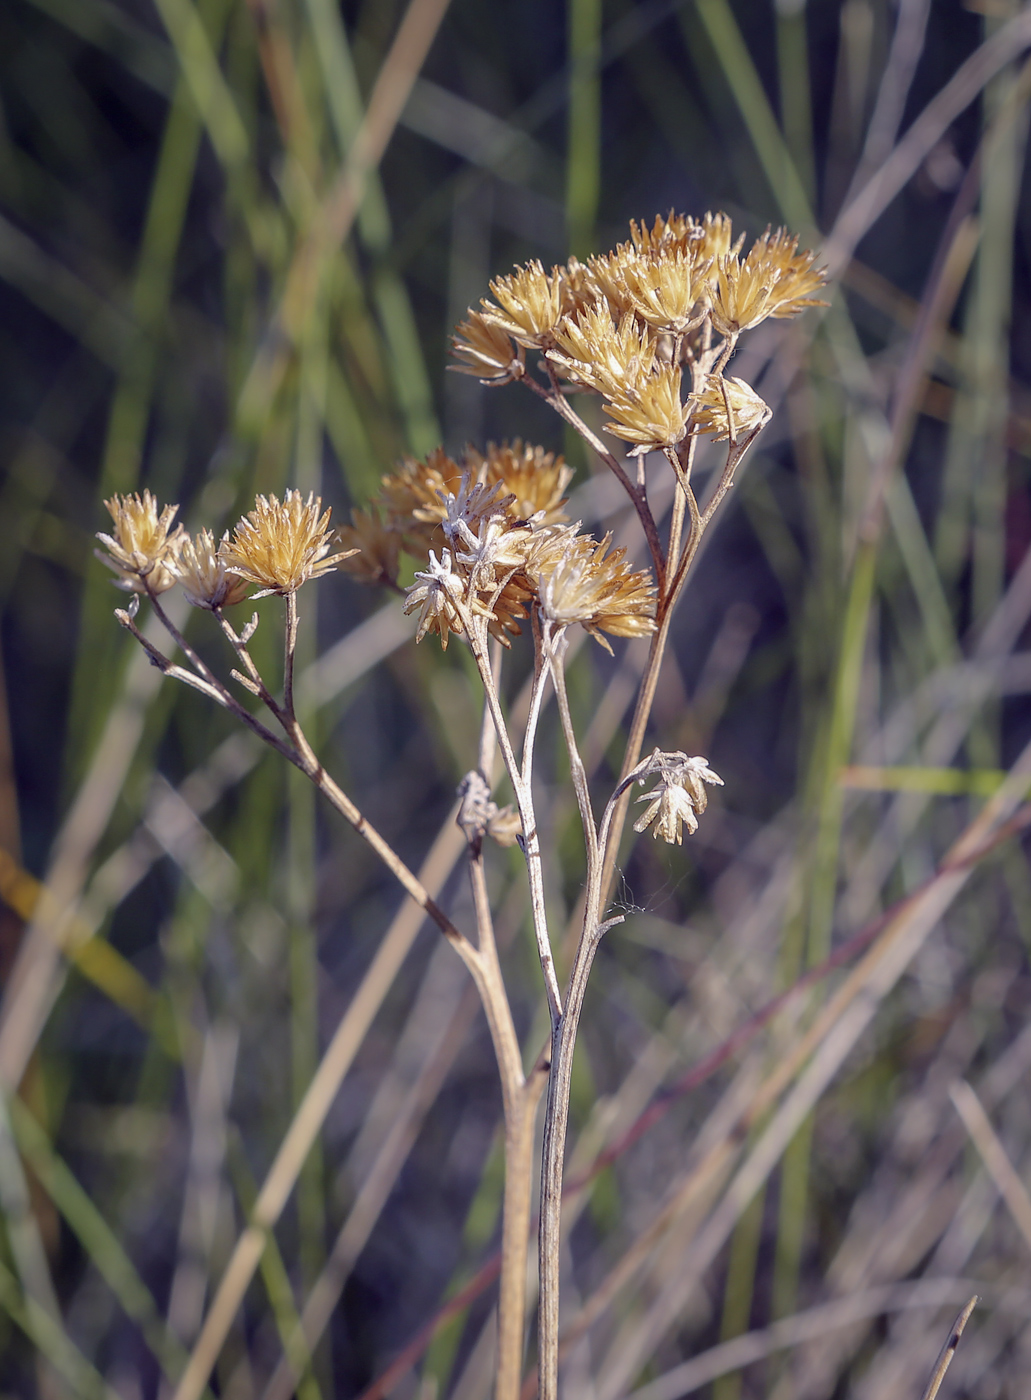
(164, 174)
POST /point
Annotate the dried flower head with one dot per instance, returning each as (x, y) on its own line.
(679, 233)
(798, 279)
(680, 796)
(577, 580)
(487, 350)
(143, 544)
(531, 303)
(649, 411)
(200, 568)
(747, 410)
(534, 479)
(467, 509)
(440, 591)
(372, 546)
(280, 545)
(591, 350)
(668, 292)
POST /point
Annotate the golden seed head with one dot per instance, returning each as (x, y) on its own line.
(680, 796)
(143, 544)
(649, 411)
(486, 350)
(591, 350)
(373, 547)
(709, 409)
(577, 580)
(535, 479)
(200, 568)
(798, 279)
(670, 292)
(531, 303)
(281, 545)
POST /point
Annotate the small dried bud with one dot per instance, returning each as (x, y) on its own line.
(201, 570)
(487, 351)
(279, 546)
(747, 410)
(143, 544)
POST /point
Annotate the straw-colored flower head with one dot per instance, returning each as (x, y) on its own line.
(798, 279)
(375, 545)
(591, 350)
(605, 272)
(669, 234)
(439, 592)
(200, 568)
(741, 293)
(535, 479)
(143, 544)
(680, 796)
(709, 408)
(280, 545)
(413, 492)
(577, 580)
(666, 291)
(649, 412)
(530, 303)
(486, 350)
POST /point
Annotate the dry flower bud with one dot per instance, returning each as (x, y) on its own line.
(200, 568)
(487, 350)
(531, 303)
(143, 545)
(680, 797)
(666, 292)
(797, 277)
(649, 411)
(280, 545)
(709, 412)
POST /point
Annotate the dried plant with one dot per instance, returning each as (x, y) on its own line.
(650, 328)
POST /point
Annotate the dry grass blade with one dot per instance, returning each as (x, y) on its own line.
(994, 1155)
(948, 1351)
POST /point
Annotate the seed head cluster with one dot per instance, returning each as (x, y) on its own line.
(628, 323)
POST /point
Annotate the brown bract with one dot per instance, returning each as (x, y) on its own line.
(280, 545)
(143, 544)
(534, 478)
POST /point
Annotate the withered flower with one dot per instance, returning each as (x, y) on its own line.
(281, 545)
(709, 413)
(649, 411)
(439, 591)
(486, 349)
(741, 293)
(680, 796)
(200, 567)
(577, 580)
(372, 546)
(798, 279)
(591, 350)
(534, 478)
(143, 545)
(667, 292)
(531, 303)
